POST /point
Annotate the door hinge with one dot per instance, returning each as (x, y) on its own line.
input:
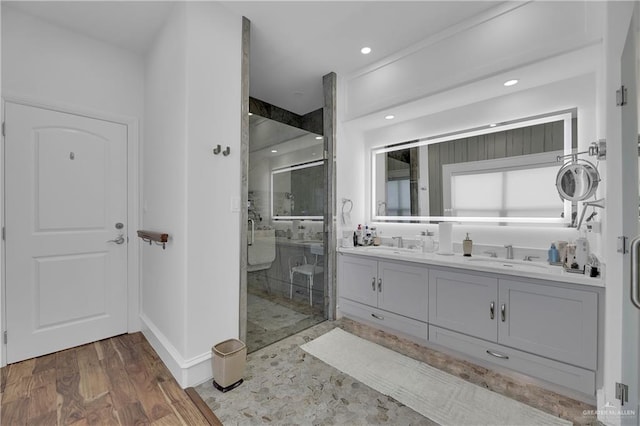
(622, 393)
(621, 96)
(622, 245)
(4, 337)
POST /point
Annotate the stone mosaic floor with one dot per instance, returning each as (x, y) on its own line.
(284, 385)
(272, 316)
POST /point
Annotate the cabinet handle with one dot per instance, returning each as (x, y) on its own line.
(503, 312)
(380, 285)
(492, 310)
(497, 355)
(377, 316)
(373, 284)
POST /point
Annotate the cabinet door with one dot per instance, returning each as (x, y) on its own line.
(403, 289)
(358, 279)
(463, 302)
(554, 322)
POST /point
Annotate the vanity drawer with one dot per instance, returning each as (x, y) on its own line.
(413, 329)
(571, 377)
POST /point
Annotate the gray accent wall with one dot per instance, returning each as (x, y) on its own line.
(527, 140)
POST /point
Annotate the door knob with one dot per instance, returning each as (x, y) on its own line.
(119, 240)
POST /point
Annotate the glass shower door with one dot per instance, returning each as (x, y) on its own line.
(285, 238)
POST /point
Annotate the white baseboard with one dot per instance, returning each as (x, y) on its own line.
(187, 372)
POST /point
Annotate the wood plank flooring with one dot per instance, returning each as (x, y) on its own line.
(117, 381)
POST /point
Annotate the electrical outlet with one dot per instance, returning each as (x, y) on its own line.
(595, 227)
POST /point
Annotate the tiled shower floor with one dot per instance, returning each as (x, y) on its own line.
(272, 316)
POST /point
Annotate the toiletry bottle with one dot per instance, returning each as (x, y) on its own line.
(467, 246)
(355, 239)
(553, 255)
(367, 235)
(582, 252)
(359, 235)
(423, 241)
(375, 239)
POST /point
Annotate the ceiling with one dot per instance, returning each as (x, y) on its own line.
(293, 43)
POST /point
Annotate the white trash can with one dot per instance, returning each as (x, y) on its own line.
(229, 359)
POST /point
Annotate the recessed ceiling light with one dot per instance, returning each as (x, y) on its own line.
(365, 50)
(274, 150)
(250, 113)
(389, 117)
(318, 138)
(511, 82)
(492, 125)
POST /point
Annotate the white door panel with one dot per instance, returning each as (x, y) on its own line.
(65, 190)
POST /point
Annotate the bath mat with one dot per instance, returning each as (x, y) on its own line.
(271, 316)
(439, 396)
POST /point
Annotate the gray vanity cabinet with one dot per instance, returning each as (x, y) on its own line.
(403, 289)
(545, 329)
(393, 286)
(547, 320)
(465, 303)
(554, 322)
(358, 279)
(389, 295)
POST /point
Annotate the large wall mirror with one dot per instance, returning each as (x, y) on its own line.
(286, 172)
(297, 192)
(503, 173)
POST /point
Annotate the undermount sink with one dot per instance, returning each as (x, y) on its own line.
(389, 249)
(510, 263)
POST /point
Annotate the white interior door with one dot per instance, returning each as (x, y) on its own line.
(66, 211)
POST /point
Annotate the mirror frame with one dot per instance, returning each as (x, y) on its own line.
(564, 116)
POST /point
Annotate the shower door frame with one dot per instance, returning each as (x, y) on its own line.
(329, 82)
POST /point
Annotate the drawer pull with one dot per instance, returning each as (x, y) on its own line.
(378, 317)
(492, 310)
(497, 355)
(379, 285)
(373, 284)
(503, 312)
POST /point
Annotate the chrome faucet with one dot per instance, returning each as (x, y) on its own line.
(398, 242)
(509, 248)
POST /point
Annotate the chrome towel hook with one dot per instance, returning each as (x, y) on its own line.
(217, 150)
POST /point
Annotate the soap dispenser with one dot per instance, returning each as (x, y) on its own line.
(553, 253)
(467, 246)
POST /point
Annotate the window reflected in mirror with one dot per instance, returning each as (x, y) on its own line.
(503, 174)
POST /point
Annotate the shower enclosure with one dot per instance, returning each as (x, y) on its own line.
(285, 243)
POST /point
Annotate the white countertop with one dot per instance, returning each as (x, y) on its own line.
(518, 268)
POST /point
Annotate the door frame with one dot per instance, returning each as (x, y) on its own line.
(134, 194)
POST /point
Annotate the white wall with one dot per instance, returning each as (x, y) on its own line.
(164, 188)
(190, 291)
(50, 66)
(214, 107)
(48, 63)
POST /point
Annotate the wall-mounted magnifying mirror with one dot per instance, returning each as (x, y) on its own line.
(577, 180)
